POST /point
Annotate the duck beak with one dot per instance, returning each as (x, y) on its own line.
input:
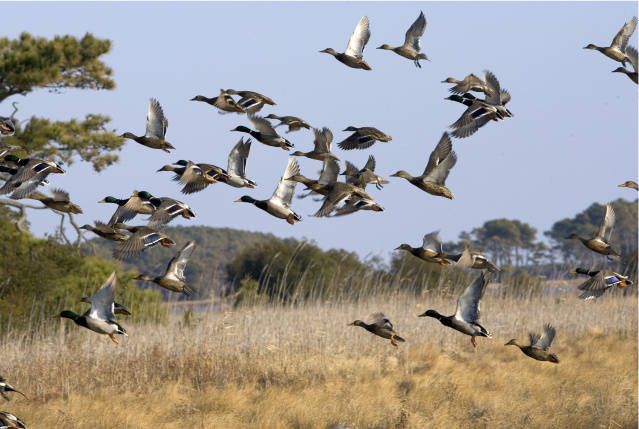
(239, 200)
(422, 315)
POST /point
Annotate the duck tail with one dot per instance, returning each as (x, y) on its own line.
(187, 291)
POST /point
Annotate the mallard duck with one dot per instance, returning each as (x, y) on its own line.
(379, 325)
(141, 238)
(156, 125)
(467, 315)
(251, 101)
(9, 421)
(224, 102)
(411, 48)
(236, 166)
(353, 56)
(28, 176)
(363, 138)
(631, 53)
(469, 83)
(474, 260)
(617, 49)
(168, 210)
(335, 192)
(58, 201)
(6, 388)
(279, 205)
(292, 122)
(105, 231)
(354, 205)
(339, 192)
(265, 133)
(7, 126)
(194, 177)
(430, 250)
(322, 146)
(433, 179)
(600, 281)
(480, 112)
(100, 318)
(328, 175)
(173, 277)
(117, 308)
(539, 347)
(364, 176)
(599, 243)
(629, 184)
(141, 202)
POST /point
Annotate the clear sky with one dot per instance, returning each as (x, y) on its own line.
(572, 140)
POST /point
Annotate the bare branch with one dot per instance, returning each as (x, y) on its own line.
(15, 109)
(78, 231)
(61, 228)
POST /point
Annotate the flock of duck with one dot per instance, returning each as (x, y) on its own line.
(23, 177)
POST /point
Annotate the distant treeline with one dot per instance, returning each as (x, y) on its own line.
(252, 266)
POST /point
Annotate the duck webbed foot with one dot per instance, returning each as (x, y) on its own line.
(473, 341)
(392, 340)
(115, 340)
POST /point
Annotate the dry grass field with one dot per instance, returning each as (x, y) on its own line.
(302, 367)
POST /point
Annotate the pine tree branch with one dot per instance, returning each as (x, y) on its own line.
(22, 220)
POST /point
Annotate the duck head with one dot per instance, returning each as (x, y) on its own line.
(385, 46)
(298, 153)
(245, 199)
(591, 46)
(450, 80)
(272, 116)
(199, 98)
(68, 314)
(12, 158)
(242, 129)
(401, 173)
(330, 51)
(356, 323)
(404, 246)
(128, 135)
(110, 199)
(455, 97)
(512, 342)
(167, 168)
(431, 313)
(144, 195)
(350, 128)
(628, 184)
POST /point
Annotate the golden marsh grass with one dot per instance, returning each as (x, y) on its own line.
(302, 367)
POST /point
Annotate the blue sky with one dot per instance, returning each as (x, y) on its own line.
(572, 140)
